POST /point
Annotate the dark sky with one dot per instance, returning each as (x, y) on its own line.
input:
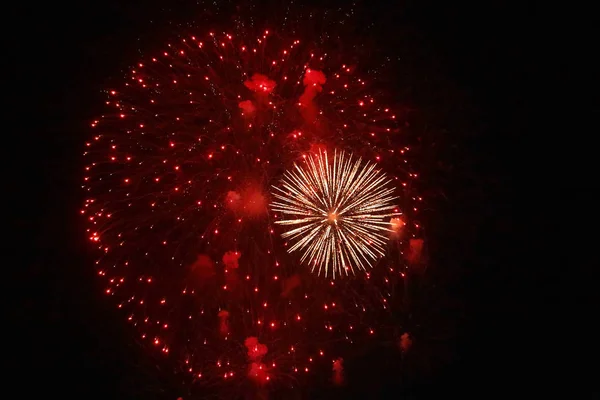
(68, 343)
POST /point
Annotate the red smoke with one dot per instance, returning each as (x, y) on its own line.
(260, 84)
(258, 372)
(338, 371)
(255, 202)
(405, 342)
(247, 107)
(230, 259)
(203, 267)
(416, 248)
(313, 81)
(232, 199)
(224, 322)
(256, 350)
(250, 201)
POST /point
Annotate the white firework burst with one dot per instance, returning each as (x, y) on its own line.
(336, 212)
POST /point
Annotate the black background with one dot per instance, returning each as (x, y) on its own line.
(64, 340)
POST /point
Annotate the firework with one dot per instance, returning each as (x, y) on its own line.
(178, 179)
(338, 212)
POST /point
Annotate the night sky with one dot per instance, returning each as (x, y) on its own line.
(474, 65)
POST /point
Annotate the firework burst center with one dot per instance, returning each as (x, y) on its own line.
(332, 218)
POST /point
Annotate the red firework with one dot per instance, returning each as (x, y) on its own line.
(178, 177)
